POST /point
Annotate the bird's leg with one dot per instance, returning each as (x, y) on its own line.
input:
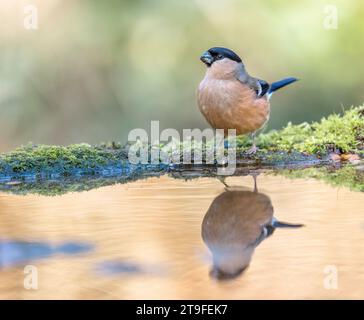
(254, 148)
(254, 175)
(222, 180)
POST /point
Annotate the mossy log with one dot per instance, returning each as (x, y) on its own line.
(320, 150)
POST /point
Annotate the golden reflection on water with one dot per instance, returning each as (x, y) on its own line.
(147, 243)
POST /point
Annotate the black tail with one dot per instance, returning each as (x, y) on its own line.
(280, 84)
(280, 224)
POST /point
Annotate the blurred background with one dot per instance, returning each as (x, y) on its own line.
(94, 70)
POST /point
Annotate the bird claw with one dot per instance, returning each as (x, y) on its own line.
(252, 150)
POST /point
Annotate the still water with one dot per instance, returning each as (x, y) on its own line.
(175, 239)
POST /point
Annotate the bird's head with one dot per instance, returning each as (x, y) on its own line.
(215, 54)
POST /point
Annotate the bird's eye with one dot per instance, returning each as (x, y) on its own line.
(219, 56)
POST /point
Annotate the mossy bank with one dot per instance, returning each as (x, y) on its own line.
(293, 147)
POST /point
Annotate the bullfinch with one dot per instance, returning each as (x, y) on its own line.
(229, 98)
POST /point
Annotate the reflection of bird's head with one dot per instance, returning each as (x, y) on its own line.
(229, 264)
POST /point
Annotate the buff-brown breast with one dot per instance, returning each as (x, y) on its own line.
(227, 103)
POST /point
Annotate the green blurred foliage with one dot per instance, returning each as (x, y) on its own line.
(94, 70)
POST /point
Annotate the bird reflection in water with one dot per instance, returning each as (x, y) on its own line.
(236, 222)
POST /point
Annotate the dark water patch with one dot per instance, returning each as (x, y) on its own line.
(126, 268)
(14, 252)
(118, 267)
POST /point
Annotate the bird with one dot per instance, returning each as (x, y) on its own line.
(236, 222)
(229, 98)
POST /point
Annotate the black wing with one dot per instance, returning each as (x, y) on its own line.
(265, 87)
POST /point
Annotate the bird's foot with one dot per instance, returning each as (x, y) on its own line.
(255, 174)
(252, 150)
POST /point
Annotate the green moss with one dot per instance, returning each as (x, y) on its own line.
(45, 158)
(337, 133)
(344, 133)
(307, 144)
(348, 176)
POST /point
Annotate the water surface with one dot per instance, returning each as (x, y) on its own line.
(171, 239)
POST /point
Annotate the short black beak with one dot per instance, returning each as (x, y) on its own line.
(207, 58)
